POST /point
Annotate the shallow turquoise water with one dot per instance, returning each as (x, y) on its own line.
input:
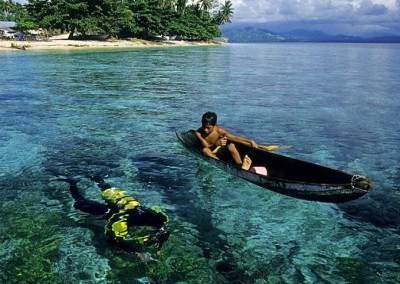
(115, 112)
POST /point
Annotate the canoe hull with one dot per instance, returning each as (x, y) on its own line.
(332, 186)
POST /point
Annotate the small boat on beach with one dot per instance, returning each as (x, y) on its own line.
(89, 37)
(286, 175)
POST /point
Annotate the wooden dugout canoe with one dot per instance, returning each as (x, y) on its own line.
(288, 176)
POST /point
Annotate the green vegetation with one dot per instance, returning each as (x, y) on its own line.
(30, 242)
(146, 19)
(10, 11)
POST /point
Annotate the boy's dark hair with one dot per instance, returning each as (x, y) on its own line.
(209, 118)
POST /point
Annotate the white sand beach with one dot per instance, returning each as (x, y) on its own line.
(61, 44)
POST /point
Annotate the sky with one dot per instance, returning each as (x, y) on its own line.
(350, 17)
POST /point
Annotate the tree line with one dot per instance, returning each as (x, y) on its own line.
(146, 19)
(10, 11)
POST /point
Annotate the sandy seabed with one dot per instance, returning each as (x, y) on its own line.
(60, 44)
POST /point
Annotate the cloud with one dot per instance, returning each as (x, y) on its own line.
(270, 10)
(356, 16)
(286, 8)
(369, 8)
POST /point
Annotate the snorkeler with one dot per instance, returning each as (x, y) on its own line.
(130, 225)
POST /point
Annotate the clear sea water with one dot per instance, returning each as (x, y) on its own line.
(115, 112)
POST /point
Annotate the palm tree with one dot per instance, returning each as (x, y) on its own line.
(180, 6)
(7, 8)
(170, 4)
(225, 13)
(205, 5)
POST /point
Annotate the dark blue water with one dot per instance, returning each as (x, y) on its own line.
(115, 112)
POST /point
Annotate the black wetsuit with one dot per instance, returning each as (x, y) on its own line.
(130, 224)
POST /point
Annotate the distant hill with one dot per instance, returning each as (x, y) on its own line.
(318, 36)
(252, 34)
(257, 34)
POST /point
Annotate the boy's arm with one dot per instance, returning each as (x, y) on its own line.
(202, 140)
(240, 139)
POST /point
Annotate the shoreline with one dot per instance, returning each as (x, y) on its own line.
(65, 44)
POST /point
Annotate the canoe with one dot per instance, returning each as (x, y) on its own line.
(286, 175)
(89, 37)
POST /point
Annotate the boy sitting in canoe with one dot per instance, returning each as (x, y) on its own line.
(215, 140)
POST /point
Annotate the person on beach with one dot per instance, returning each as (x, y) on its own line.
(130, 225)
(215, 140)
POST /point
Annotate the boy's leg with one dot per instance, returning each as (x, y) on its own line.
(245, 164)
(235, 154)
(207, 152)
